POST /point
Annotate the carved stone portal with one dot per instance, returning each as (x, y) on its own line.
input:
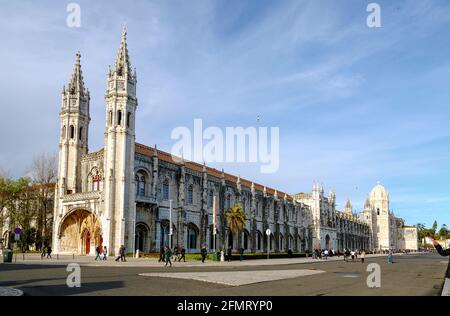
(80, 233)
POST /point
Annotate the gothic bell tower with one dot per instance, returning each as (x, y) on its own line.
(121, 103)
(73, 139)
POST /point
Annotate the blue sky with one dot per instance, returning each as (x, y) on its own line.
(354, 105)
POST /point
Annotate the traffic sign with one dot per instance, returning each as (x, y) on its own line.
(16, 237)
(17, 230)
(268, 232)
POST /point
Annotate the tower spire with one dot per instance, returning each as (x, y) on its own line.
(123, 64)
(76, 84)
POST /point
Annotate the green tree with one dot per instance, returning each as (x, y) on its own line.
(44, 177)
(435, 226)
(236, 219)
(421, 231)
(443, 232)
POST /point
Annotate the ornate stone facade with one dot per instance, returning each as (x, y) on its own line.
(120, 195)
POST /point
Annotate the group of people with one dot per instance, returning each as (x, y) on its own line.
(353, 254)
(323, 253)
(46, 251)
(178, 254)
(165, 254)
(99, 251)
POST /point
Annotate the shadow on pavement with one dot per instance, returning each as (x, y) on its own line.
(18, 266)
(64, 290)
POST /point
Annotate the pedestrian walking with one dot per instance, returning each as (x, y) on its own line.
(161, 254)
(49, 252)
(443, 253)
(204, 252)
(352, 254)
(241, 254)
(183, 252)
(121, 256)
(176, 253)
(390, 257)
(44, 251)
(326, 254)
(229, 254)
(168, 255)
(97, 253)
(105, 252)
(363, 255)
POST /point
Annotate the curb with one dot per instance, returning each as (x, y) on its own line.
(9, 291)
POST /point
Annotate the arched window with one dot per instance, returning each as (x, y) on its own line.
(271, 242)
(165, 190)
(210, 198)
(119, 118)
(281, 241)
(245, 240)
(258, 242)
(142, 186)
(136, 179)
(63, 133)
(80, 133)
(72, 131)
(228, 202)
(110, 118)
(190, 195)
(192, 238)
(96, 181)
(128, 119)
(378, 211)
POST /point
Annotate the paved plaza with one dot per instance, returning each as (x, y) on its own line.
(236, 278)
(410, 275)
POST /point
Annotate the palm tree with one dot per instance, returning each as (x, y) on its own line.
(236, 219)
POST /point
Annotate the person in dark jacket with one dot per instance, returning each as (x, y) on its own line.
(443, 253)
(182, 257)
(229, 254)
(204, 252)
(168, 255)
(241, 254)
(161, 254)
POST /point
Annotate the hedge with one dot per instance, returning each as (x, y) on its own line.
(234, 256)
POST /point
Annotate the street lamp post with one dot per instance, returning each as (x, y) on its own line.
(268, 232)
(170, 224)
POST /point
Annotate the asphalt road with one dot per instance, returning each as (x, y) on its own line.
(411, 275)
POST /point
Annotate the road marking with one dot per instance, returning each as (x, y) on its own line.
(237, 278)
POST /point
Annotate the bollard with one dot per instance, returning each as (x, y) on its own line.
(73, 256)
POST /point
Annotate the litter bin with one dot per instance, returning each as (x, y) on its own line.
(7, 255)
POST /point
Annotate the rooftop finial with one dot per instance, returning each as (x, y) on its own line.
(124, 31)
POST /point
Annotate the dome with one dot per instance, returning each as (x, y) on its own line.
(379, 193)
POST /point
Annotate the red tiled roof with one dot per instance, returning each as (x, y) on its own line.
(167, 157)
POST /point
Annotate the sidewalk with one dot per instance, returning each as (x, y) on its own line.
(148, 262)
